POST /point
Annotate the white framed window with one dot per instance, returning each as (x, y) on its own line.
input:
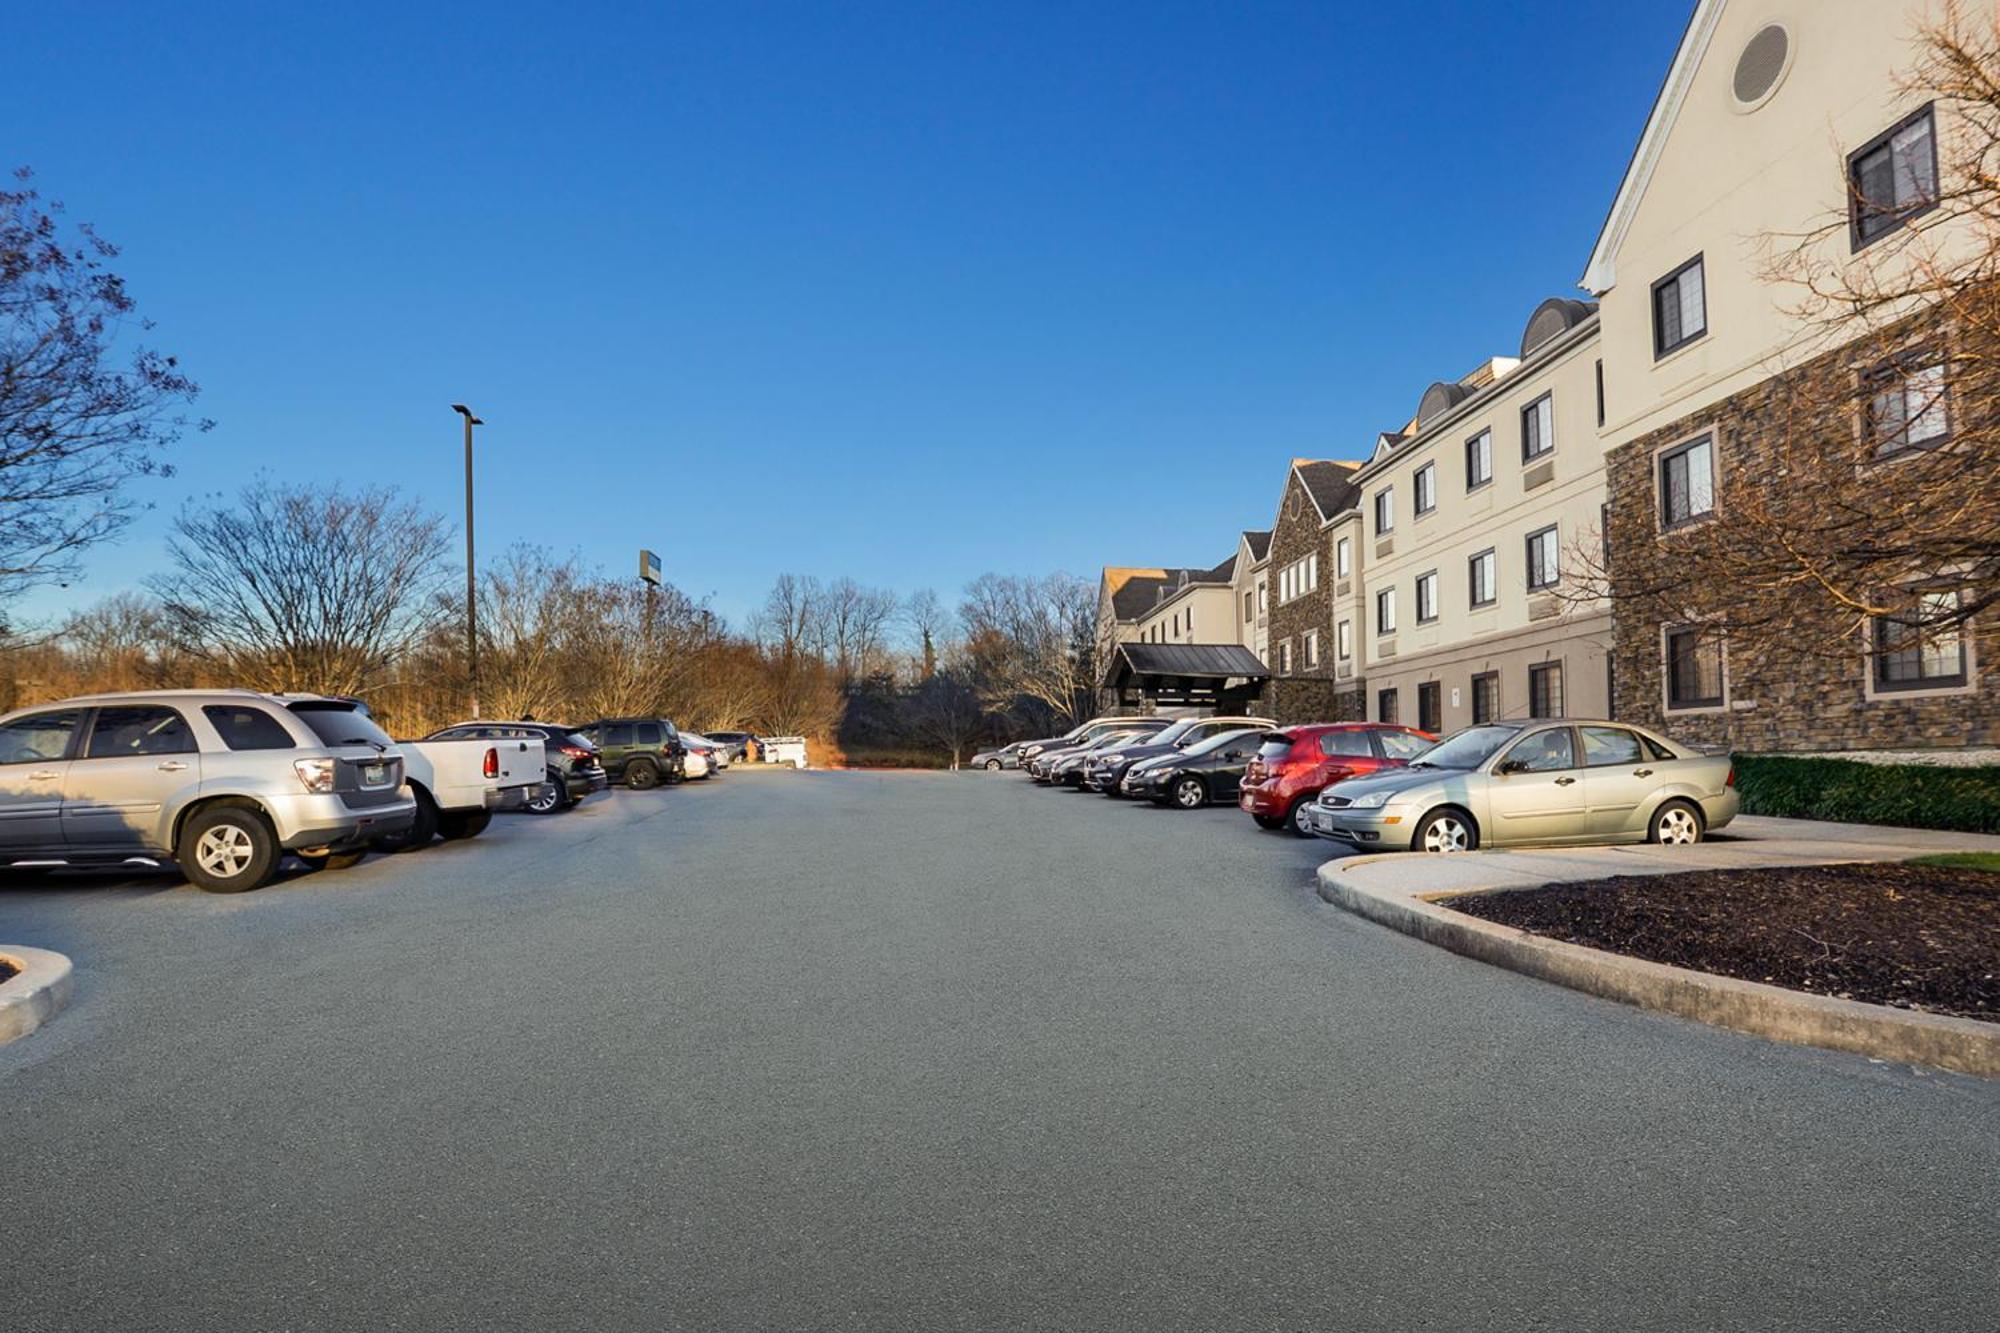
(1907, 407)
(1385, 510)
(1343, 558)
(1542, 568)
(1538, 428)
(1312, 572)
(1922, 652)
(1687, 482)
(1427, 597)
(1680, 308)
(1385, 611)
(1482, 572)
(1285, 658)
(1479, 460)
(1312, 649)
(1426, 488)
(1343, 641)
(1893, 178)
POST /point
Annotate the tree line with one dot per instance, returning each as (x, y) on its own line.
(303, 587)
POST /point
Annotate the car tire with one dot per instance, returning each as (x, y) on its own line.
(1676, 824)
(642, 775)
(332, 860)
(1268, 821)
(548, 798)
(1445, 831)
(228, 849)
(992, 765)
(462, 824)
(423, 827)
(1295, 820)
(1190, 794)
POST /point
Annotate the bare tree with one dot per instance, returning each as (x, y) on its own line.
(81, 412)
(853, 627)
(932, 628)
(1877, 478)
(1033, 639)
(305, 587)
(948, 710)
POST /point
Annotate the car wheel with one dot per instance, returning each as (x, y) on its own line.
(548, 798)
(423, 827)
(642, 775)
(462, 824)
(992, 765)
(1189, 794)
(228, 849)
(1295, 820)
(1446, 831)
(332, 860)
(1676, 824)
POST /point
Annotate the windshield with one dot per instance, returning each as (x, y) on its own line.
(1466, 749)
(341, 724)
(1217, 741)
(1171, 735)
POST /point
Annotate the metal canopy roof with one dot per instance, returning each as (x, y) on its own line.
(1186, 661)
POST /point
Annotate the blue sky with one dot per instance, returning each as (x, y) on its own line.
(910, 292)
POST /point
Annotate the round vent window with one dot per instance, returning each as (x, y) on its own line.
(1292, 505)
(1761, 67)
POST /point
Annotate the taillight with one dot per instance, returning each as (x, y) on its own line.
(573, 751)
(1730, 781)
(491, 768)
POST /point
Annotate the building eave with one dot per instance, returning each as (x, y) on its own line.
(1600, 275)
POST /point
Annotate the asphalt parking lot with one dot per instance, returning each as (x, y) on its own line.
(921, 1051)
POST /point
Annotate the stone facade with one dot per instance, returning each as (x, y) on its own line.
(1775, 700)
(1299, 533)
(1293, 700)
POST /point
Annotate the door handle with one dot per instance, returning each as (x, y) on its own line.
(1643, 773)
(1564, 782)
(172, 766)
(43, 776)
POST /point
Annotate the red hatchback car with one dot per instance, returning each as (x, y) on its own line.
(1294, 763)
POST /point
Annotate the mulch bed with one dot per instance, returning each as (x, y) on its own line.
(1917, 937)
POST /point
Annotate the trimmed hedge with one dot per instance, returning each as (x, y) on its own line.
(1965, 800)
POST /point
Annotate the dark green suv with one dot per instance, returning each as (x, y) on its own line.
(640, 752)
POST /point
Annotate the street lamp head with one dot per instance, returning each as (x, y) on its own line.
(466, 412)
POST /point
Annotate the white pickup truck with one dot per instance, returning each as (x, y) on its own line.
(459, 784)
(783, 750)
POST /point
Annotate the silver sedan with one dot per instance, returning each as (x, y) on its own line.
(1539, 783)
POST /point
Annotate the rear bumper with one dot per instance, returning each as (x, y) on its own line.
(509, 798)
(1270, 798)
(351, 832)
(1717, 811)
(580, 785)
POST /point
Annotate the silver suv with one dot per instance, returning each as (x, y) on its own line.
(224, 782)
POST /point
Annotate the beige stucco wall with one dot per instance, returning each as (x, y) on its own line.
(1725, 180)
(1499, 515)
(1204, 613)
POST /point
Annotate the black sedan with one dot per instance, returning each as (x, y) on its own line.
(1109, 764)
(1190, 779)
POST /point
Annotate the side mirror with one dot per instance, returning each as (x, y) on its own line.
(1507, 766)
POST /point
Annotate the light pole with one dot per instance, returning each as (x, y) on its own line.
(471, 580)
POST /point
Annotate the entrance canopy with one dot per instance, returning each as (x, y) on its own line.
(1209, 675)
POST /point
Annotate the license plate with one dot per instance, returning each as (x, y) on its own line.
(1246, 802)
(374, 775)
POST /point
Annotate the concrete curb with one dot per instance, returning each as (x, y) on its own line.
(34, 994)
(1964, 1045)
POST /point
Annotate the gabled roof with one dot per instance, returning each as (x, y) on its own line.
(1138, 594)
(1260, 545)
(1601, 273)
(1329, 483)
(1222, 573)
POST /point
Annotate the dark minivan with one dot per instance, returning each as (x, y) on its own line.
(640, 752)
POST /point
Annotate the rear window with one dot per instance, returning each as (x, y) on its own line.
(578, 739)
(1275, 747)
(1345, 742)
(340, 724)
(649, 733)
